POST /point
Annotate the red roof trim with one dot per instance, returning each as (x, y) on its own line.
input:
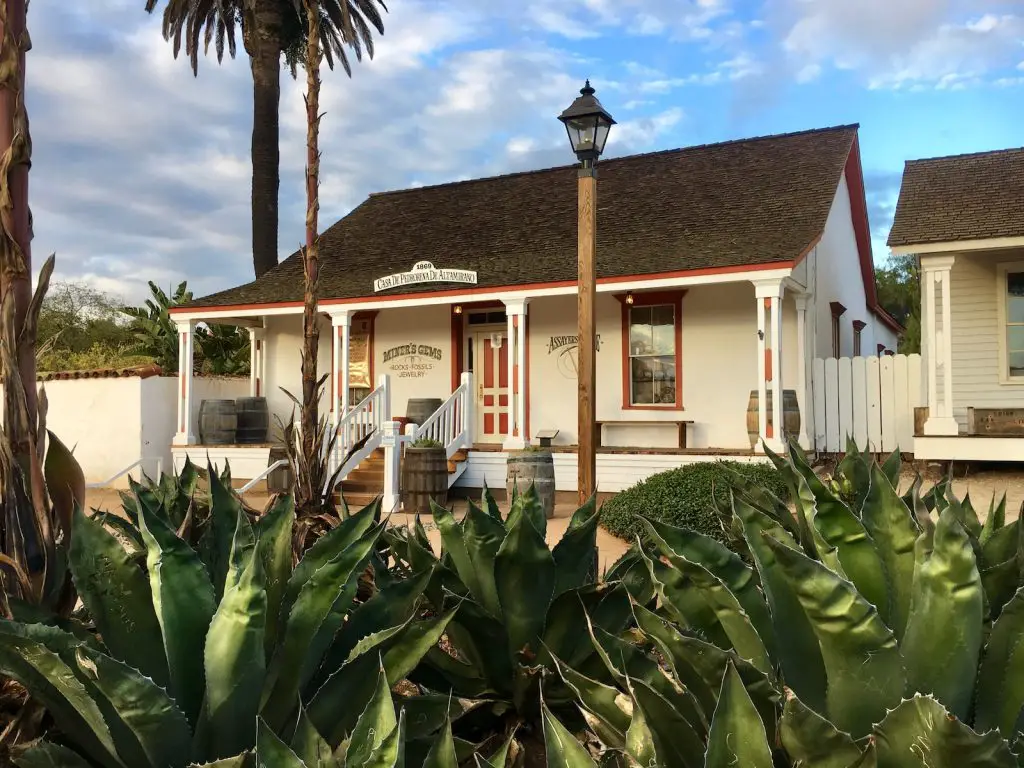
(497, 288)
(862, 230)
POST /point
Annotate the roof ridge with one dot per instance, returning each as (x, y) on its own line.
(609, 161)
(965, 155)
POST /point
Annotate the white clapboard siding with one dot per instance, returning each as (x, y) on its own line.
(868, 399)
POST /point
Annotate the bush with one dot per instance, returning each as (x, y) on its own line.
(683, 497)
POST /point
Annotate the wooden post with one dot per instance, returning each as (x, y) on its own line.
(587, 378)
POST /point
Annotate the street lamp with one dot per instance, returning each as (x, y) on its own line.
(587, 124)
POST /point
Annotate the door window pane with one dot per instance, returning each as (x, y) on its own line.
(652, 353)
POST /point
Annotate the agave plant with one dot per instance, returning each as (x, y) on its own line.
(194, 645)
(522, 607)
(870, 631)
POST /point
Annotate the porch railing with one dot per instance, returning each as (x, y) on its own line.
(366, 421)
(451, 425)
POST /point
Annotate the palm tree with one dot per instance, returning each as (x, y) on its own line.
(270, 29)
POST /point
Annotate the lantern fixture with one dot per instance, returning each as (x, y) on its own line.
(629, 298)
(588, 125)
(457, 309)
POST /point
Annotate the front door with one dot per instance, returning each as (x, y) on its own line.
(488, 361)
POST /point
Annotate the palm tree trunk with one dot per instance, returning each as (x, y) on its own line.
(311, 251)
(265, 62)
(15, 218)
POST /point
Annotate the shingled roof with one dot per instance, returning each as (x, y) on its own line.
(963, 197)
(739, 203)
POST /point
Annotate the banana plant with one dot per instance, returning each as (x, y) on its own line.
(520, 605)
(871, 629)
(194, 647)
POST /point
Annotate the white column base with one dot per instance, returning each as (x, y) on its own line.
(392, 440)
(182, 439)
(941, 426)
(774, 445)
(514, 444)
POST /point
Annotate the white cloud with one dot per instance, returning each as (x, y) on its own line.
(678, 19)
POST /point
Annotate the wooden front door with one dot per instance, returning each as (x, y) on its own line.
(489, 364)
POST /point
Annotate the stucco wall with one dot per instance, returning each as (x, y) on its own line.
(976, 334)
(427, 331)
(283, 365)
(833, 274)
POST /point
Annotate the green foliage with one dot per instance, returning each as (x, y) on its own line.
(899, 293)
(686, 497)
(81, 328)
(425, 442)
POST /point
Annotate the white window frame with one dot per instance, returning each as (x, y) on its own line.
(1002, 270)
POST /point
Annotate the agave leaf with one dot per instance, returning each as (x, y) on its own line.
(607, 606)
(161, 734)
(999, 584)
(391, 606)
(862, 661)
(274, 549)
(234, 654)
(632, 572)
(854, 468)
(26, 657)
(798, 649)
(891, 468)
(675, 740)
(318, 612)
(489, 504)
(455, 546)
(375, 724)
(442, 751)
(640, 741)
(1000, 690)
(500, 758)
(920, 733)
(65, 481)
(125, 529)
(219, 539)
(563, 750)
(1002, 545)
(684, 602)
(184, 606)
(401, 648)
(576, 553)
(527, 504)
(994, 520)
(724, 564)
(427, 713)
(735, 622)
(271, 752)
(894, 531)
(737, 734)
(392, 751)
(610, 706)
(46, 754)
(309, 746)
(944, 634)
(483, 536)
(338, 539)
(811, 740)
(117, 594)
(524, 574)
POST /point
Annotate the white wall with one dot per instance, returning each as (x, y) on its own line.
(283, 366)
(419, 375)
(833, 274)
(976, 334)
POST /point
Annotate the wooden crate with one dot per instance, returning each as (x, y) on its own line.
(995, 422)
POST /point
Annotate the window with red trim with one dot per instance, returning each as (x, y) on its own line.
(837, 312)
(651, 350)
(858, 327)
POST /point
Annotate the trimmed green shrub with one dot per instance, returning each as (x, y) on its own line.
(685, 497)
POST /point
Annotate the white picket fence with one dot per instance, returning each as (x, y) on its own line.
(870, 399)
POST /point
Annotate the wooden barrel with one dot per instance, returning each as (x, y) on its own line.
(534, 468)
(424, 477)
(419, 409)
(218, 420)
(790, 414)
(253, 420)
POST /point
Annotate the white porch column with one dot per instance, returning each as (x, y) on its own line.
(936, 273)
(341, 324)
(515, 309)
(186, 341)
(391, 441)
(770, 365)
(803, 397)
(257, 369)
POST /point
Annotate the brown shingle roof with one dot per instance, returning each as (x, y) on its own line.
(733, 204)
(963, 197)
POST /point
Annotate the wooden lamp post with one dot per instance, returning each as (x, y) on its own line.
(588, 125)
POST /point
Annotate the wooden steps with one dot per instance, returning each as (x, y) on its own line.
(366, 481)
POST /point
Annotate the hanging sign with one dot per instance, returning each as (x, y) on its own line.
(424, 272)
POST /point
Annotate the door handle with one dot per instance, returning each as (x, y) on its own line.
(480, 392)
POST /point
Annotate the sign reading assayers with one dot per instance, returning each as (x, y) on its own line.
(424, 272)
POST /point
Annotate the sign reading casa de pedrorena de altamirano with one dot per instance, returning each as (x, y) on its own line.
(424, 272)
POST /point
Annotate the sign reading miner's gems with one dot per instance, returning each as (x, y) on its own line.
(424, 272)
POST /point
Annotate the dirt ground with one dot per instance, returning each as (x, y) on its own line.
(981, 484)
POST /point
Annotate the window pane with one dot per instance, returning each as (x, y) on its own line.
(1015, 309)
(653, 380)
(1016, 360)
(1015, 338)
(1015, 283)
(663, 315)
(641, 339)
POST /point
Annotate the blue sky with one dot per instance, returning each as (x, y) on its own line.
(141, 171)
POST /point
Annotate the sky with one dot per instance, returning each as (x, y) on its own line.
(141, 171)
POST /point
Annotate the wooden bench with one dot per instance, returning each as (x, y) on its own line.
(680, 424)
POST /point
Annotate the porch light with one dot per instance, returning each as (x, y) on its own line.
(587, 124)
(629, 298)
(457, 309)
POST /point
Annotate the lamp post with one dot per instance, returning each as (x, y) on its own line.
(588, 125)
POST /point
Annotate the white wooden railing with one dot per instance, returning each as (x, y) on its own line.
(365, 420)
(451, 425)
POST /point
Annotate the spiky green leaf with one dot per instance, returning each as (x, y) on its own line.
(576, 552)
(46, 754)
(271, 752)
(274, 549)
(737, 735)
(524, 574)
(563, 750)
(811, 740)
(483, 535)
(375, 724)
(442, 751)
(1000, 689)
(309, 746)
(675, 740)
